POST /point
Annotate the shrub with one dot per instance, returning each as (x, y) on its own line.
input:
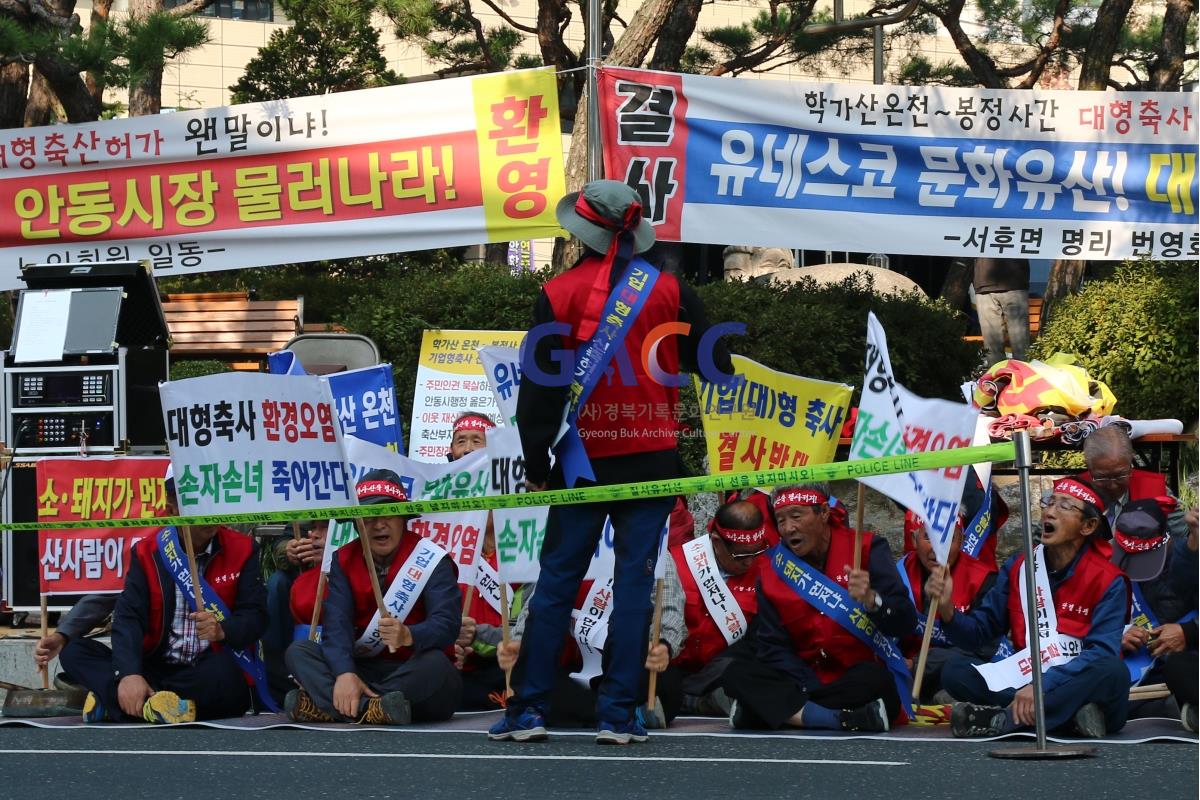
(196, 369)
(1136, 331)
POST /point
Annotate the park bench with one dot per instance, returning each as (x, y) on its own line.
(229, 326)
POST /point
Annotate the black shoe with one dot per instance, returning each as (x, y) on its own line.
(870, 718)
(968, 719)
(1089, 722)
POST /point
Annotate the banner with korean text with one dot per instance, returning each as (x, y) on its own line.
(451, 380)
(94, 561)
(763, 419)
(436, 164)
(254, 442)
(925, 170)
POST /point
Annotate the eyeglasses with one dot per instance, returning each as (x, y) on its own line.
(1061, 505)
(740, 556)
(1120, 476)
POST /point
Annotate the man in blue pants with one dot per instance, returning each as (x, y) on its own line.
(612, 312)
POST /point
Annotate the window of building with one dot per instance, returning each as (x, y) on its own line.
(257, 10)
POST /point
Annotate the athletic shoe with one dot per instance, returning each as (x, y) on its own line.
(529, 726)
(651, 718)
(1187, 715)
(299, 707)
(93, 709)
(870, 718)
(968, 719)
(621, 733)
(737, 717)
(942, 698)
(716, 703)
(1089, 722)
(168, 708)
(392, 708)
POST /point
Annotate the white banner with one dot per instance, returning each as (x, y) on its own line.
(502, 368)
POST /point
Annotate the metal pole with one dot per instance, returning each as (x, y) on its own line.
(1024, 454)
(838, 13)
(594, 36)
(878, 55)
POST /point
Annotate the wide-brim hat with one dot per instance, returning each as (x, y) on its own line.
(1140, 540)
(610, 200)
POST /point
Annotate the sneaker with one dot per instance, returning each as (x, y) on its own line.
(651, 718)
(168, 708)
(529, 726)
(392, 708)
(621, 733)
(299, 707)
(716, 703)
(1089, 722)
(738, 718)
(93, 709)
(968, 719)
(1187, 715)
(871, 718)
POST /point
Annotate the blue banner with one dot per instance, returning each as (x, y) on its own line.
(937, 635)
(365, 399)
(829, 598)
(976, 533)
(172, 554)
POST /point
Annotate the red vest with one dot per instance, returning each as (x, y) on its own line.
(303, 597)
(969, 575)
(350, 559)
(224, 568)
(823, 644)
(614, 408)
(1076, 597)
(1143, 484)
(704, 641)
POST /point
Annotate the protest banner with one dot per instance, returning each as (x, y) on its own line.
(763, 419)
(502, 368)
(94, 561)
(254, 442)
(894, 421)
(926, 170)
(451, 380)
(398, 168)
(459, 533)
(519, 531)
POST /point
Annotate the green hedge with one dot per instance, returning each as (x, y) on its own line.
(1136, 331)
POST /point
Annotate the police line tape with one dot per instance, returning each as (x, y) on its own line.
(838, 470)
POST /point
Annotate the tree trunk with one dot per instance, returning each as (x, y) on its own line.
(629, 51)
(1168, 67)
(145, 85)
(1065, 277)
(94, 80)
(42, 103)
(673, 39)
(1106, 36)
(68, 87)
(495, 254)
(14, 87)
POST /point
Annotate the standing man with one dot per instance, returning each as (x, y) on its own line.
(604, 312)
(1002, 300)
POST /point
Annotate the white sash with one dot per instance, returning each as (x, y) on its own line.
(718, 599)
(402, 595)
(1017, 670)
(590, 629)
(487, 581)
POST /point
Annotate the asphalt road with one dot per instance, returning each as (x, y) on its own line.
(210, 764)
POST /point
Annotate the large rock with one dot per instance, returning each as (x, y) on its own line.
(743, 262)
(885, 281)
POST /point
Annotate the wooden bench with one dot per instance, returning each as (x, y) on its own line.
(1035, 322)
(229, 326)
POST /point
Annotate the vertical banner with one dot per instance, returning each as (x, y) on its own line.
(764, 419)
(451, 380)
(519, 531)
(397, 168)
(502, 368)
(893, 421)
(94, 561)
(928, 170)
(254, 442)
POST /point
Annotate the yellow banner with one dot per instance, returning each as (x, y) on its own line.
(767, 419)
(520, 150)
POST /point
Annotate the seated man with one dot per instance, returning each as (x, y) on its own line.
(1182, 671)
(169, 663)
(1084, 680)
(973, 578)
(294, 559)
(719, 573)
(1141, 549)
(469, 434)
(574, 698)
(90, 612)
(1108, 453)
(824, 652)
(302, 596)
(368, 667)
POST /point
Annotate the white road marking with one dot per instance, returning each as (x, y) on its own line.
(513, 756)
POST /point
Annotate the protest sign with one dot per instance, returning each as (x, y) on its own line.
(926, 170)
(502, 368)
(94, 561)
(398, 168)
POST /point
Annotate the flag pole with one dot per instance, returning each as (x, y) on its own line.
(858, 528)
(45, 668)
(655, 630)
(366, 551)
(504, 635)
(320, 601)
(930, 621)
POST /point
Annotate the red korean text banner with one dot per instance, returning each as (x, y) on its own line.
(94, 561)
(399, 168)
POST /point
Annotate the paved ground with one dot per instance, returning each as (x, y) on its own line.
(209, 764)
